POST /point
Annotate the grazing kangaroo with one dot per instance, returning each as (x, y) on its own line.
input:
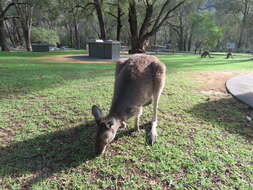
(229, 54)
(205, 54)
(139, 80)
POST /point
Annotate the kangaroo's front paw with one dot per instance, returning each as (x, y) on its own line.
(124, 125)
(152, 137)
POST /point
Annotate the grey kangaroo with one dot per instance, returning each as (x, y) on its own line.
(139, 81)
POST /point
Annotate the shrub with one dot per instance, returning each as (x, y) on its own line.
(42, 35)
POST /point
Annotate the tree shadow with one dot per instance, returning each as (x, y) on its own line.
(27, 54)
(227, 113)
(51, 153)
(132, 131)
(239, 61)
(48, 154)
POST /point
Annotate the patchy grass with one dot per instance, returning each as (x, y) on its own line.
(47, 132)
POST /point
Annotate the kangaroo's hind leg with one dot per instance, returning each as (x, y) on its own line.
(137, 120)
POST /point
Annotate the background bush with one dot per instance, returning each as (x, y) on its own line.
(43, 35)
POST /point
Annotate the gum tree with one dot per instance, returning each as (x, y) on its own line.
(155, 15)
(3, 17)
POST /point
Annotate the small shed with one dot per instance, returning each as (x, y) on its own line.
(230, 45)
(104, 49)
(40, 47)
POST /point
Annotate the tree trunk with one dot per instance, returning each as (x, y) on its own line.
(139, 40)
(149, 26)
(198, 46)
(3, 41)
(100, 19)
(77, 36)
(17, 31)
(25, 17)
(242, 28)
(119, 24)
(189, 46)
(11, 36)
(138, 46)
(132, 18)
(70, 34)
(27, 36)
(240, 41)
(181, 42)
(185, 44)
(181, 34)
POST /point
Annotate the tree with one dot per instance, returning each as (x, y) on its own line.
(98, 6)
(3, 17)
(74, 13)
(24, 10)
(151, 22)
(207, 33)
(43, 35)
(183, 24)
(245, 12)
(239, 8)
(118, 10)
(118, 16)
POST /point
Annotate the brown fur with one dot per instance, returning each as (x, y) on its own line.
(134, 84)
(229, 54)
(138, 80)
(205, 54)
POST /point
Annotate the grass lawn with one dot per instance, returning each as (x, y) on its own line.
(47, 130)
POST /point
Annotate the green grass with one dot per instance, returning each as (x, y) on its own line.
(47, 131)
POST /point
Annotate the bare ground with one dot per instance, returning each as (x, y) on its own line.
(213, 83)
(80, 59)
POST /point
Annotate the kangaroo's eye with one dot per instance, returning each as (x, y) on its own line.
(110, 124)
(103, 125)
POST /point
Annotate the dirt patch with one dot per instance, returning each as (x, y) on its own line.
(213, 83)
(80, 59)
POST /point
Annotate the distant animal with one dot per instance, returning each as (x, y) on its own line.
(229, 54)
(205, 54)
(139, 81)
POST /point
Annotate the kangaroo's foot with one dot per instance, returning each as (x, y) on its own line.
(153, 133)
(124, 125)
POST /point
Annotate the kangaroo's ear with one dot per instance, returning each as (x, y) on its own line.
(97, 113)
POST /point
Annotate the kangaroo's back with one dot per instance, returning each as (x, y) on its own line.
(136, 79)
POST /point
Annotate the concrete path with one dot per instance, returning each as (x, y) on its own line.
(242, 88)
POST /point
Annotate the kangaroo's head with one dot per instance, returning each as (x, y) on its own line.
(107, 128)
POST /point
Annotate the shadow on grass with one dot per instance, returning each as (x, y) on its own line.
(130, 132)
(88, 58)
(40, 54)
(239, 61)
(228, 113)
(48, 154)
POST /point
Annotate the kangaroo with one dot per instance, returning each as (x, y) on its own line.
(229, 54)
(205, 54)
(139, 81)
